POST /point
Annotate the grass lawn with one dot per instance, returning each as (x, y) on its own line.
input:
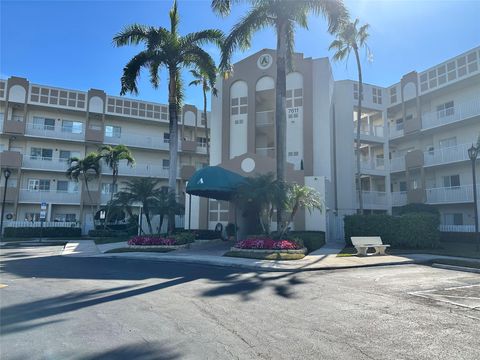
(462, 249)
(127, 250)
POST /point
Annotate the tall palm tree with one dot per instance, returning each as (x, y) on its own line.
(201, 79)
(349, 37)
(283, 16)
(85, 169)
(145, 191)
(168, 49)
(112, 155)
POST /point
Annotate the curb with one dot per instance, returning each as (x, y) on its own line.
(456, 267)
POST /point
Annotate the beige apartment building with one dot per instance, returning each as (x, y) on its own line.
(414, 138)
(42, 126)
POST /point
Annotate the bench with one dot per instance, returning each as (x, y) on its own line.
(362, 243)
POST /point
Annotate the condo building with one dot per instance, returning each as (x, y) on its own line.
(42, 126)
(414, 139)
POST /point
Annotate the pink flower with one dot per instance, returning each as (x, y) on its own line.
(264, 242)
(151, 240)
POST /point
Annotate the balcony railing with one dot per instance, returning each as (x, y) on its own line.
(399, 198)
(372, 130)
(397, 163)
(49, 196)
(44, 163)
(374, 198)
(49, 131)
(395, 132)
(372, 164)
(38, 224)
(447, 155)
(457, 228)
(457, 113)
(455, 194)
(266, 151)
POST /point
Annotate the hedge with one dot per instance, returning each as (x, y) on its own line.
(415, 208)
(413, 230)
(466, 237)
(312, 240)
(33, 232)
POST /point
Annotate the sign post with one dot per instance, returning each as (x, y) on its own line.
(43, 216)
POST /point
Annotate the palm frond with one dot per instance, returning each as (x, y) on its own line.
(131, 72)
(132, 35)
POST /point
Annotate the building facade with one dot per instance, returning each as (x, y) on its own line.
(414, 138)
(41, 127)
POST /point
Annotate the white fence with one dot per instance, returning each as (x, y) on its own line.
(457, 228)
(38, 224)
(454, 194)
(447, 155)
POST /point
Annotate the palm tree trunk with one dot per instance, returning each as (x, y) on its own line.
(280, 112)
(205, 115)
(359, 119)
(173, 146)
(146, 211)
(92, 207)
(112, 193)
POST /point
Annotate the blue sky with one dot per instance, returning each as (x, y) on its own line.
(68, 43)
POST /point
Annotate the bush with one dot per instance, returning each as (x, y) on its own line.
(175, 239)
(184, 238)
(107, 233)
(416, 208)
(32, 232)
(312, 240)
(206, 234)
(465, 237)
(264, 242)
(413, 230)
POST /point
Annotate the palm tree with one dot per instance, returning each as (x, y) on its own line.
(86, 169)
(145, 191)
(284, 16)
(112, 155)
(167, 205)
(202, 79)
(168, 49)
(349, 38)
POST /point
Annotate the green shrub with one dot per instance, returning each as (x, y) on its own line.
(107, 233)
(51, 232)
(206, 234)
(184, 238)
(416, 208)
(312, 240)
(412, 230)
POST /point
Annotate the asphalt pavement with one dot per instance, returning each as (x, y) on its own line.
(57, 307)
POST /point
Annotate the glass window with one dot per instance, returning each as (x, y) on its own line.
(113, 131)
(166, 164)
(62, 186)
(445, 110)
(403, 186)
(30, 216)
(107, 187)
(202, 141)
(451, 181)
(74, 127)
(453, 219)
(166, 138)
(446, 143)
(44, 185)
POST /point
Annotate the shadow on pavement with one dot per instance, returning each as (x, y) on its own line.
(142, 351)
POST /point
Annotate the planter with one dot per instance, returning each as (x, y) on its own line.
(267, 254)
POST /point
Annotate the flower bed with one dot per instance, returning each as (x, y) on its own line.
(152, 240)
(266, 243)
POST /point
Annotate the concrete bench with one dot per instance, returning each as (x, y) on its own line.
(362, 243)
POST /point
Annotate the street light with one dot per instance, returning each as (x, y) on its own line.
(473, 154)
(7, 174)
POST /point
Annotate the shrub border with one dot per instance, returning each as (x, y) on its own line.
(271, 251)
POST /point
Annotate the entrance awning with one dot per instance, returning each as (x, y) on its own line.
(214, 182)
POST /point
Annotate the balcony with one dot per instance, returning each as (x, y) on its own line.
(451, 195)
(189, 145)
(11, 194)
(459, 112)
(138, 140)
(49, 196)
(266, 151)
(457, 228)
(55, 132)
(399, 198)
(397, 164)
(42, 163)
(446, 155)
(10, 159)
(94, 134)
(372, 133)
(374, 199)
(396, 132)
(376, 165)
(15, 125)
(140, 169)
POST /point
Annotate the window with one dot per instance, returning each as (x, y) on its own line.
(294, 98)
(377, 95)
(62, 186)
(203, 119)
(445, 110)
(66, 155)
(113, 131)
(166, 164)
(38, 185)
(355, 91)
(43, 123)
(399, 124)
(446, 143)
(30, 216)
(74, 127)
(41, 154)
(218, 211)
(453, 219)
(166, 138)
(107, 187)
(393, 95)
(451, 181)
(65, 217)
(403, 185)
(202, 141)
(239, 105)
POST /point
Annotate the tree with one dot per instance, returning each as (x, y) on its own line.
(167, 205)
(145, 191)
(85, 169)
(284, 16)
(112, 155)
(201, 78)
(167, 49)
(348, 38)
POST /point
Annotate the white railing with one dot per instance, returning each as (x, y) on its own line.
(447, 155)
(266, 151)
(399, 198)
(373, 164)
(459, 112)
(394, 132)
(374, 198)
(397, 163)
(264, 118)
(35, 224)
(455, 194)
(56, 132)
(372, 130)
(49, 196)
(43, 163)
(457, 228)
(139, 140)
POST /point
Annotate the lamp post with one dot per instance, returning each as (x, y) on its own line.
(7, 174)
(473, 154)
